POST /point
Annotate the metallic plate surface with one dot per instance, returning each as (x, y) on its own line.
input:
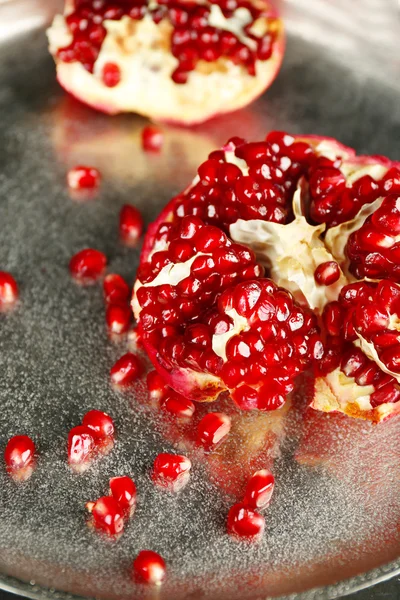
(334, 524)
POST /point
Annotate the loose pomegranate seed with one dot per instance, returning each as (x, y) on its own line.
(111, 75)
(126, 370)
(123, 490)
(8, 289)
(152, 139)
(171, 471)
(259, 489)
(116, 290)
(149, 567)
(156, 385)
(87, 266)
(327, 273)
(212, 429)
(177, 405)
(118, 318)
(100, 424)
(107, 515)
(244, 522)
(81, 447)
(130, 224)
(19, 457)
(80, 178)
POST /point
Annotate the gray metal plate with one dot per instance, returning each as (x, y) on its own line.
(334, 522)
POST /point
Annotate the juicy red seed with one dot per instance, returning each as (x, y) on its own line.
(244, 522)
(8, 289)
(149, 567)
(152, 138)
(123, 490)
(118, 318)
(370, 319)
(81, 445)
(111, 75)
(327, 273)
(245, 297)
(87, 266)
(212, 429)
(391, 358)
(177, 405)
(116, 290)
(80, 178)
(130, 224)
(332, 318)
(259, 489)
(171, 471)
(107, 515)
(156, 385)
(272, 396)
(352, 362)
(181, 250)
(245, 397)
(100, 423)
(19, 452)
(209, 238)
(126, 370)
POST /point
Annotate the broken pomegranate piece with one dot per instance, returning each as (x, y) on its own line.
(171, 472)
(126, 370)
(123, 490)
(19, 456)
(203, 58)
(149, 567)
(87, 266)
(259, 489)
(107, 515)
(8, 290)
(245, 523)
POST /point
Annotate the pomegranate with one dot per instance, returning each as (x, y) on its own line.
(123, 490)
(8, 290)
(149, 567)
(245, 523)
(171, 471)
(118, 318)
(126, 370)
(212, 430)
(87, 266)
(19, 456)
(106, 515)
(152, 139)
(130, 225)
(116, 290)
(202, 58)
(100, 424)
(80, 178)
(81, 447)
(259, 489)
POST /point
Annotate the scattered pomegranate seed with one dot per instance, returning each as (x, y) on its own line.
(212, 429)
(156, 385)
(123, 489)
(81, 447)
(100, 424)
(152, 138)
(244, 522)
(149, 567)
(87, 266)
(107, 515)
(259, 489)
(19, 457)
(126, 370)
(130, 224)
(8, 289)
(177, 405)
(171, 471)
(118, 318)
(327, 273)
(80, 178)
(116, 290)
(111, 75)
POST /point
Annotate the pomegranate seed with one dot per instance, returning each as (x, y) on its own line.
(156, 385)
(80, 178)
(130, 224)
(126, 370)
(81, 446)
(8, 289)
(212, 429)
(87, 266)
(152, 139)
(244, 522)
(116, 290)
(19, 457)
(149, 567)
(111, 75)
(171, 471)
(107, 515)
(327, 273)
(123, 490)
(177, 405)
(100, 424)
(118, 318)
(259, 489)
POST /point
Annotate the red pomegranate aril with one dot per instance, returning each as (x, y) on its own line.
(152, 139)
(149, 567)
(81, 177)
(171, 471)
(126, 370)
(116, 290)
(259, 489)
(123, 490)
(327, 273)
(100, 424)
(19, 456)
(8, 289)
(118, 318)
(387, 394)
(245, 523)
(87, 266)
(213, 429)
(391, 359)
(156, 385)
(107, 515)
(177, 405)
(111, 75)
(130, 224)
(81, 447)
